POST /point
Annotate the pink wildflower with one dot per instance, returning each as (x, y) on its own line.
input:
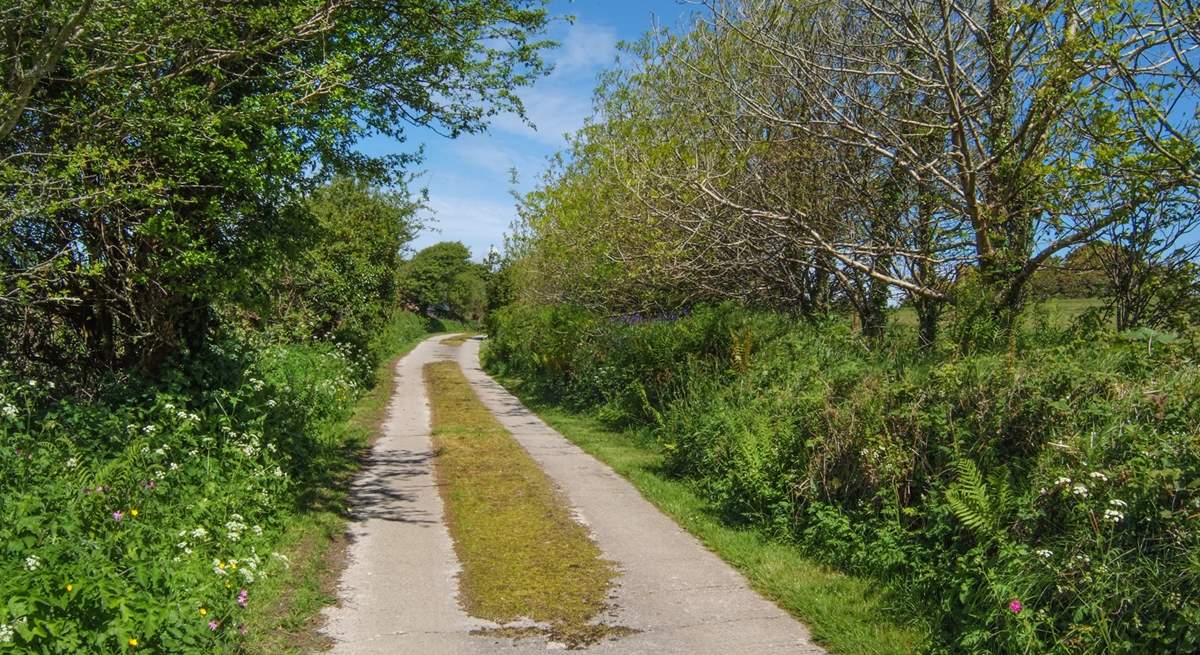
(118, 515)
(1015, 606)
(243, 597)
(213, 625)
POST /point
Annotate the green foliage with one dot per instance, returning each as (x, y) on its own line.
(1062, 472)
(980, 506)
(156, 501)
(153, 157)
(468, 296)
(343, 283)
(442, 279)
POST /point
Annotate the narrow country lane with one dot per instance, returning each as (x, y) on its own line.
(398, 594)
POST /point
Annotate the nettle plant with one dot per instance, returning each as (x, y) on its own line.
(145, 523)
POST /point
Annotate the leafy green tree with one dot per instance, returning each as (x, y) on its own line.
(429, 278)
(344, 281)
(468, 295)
(154, 154)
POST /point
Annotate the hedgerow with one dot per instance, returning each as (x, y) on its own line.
(142, 519)
(1040, 499)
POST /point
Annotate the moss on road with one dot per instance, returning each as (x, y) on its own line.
(522, 554)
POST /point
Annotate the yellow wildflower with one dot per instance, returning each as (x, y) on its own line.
(133, 642)
(133, 512)
(70, 588)
(203, 612)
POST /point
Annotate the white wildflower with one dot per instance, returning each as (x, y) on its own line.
(9, 410)
(1097, 475)
(1047, 554)
(150, 429)
(234, 528)
(72, 463)
(1080, 490)
(247, 575)
(1113, 515)
(6, 633)
(32, 563)
(1116, 502)
(174, 466)
(257, 530)
(271, 403)
(1062, 481)
(199, 533)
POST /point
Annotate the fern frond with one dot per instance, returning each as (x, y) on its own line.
(970, 500)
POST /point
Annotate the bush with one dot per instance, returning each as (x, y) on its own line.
(147, 515)
(1044, 500)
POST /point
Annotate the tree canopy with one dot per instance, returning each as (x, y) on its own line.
(154, 155)
(853, 153)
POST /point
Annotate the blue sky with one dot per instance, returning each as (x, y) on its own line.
(468, 179)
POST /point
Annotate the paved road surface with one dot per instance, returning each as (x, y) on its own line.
(398, 592)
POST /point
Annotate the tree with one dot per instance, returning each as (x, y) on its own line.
(794, 154)
(468, 296)
(1149, 260)
(428, 280)
(153, 155)
(344, 278)
(1021, 103)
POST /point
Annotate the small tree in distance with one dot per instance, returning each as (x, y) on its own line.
(441, 279)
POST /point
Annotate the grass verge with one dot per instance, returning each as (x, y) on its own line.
(522, 554)
(286, 616)
(845, 614)
(458, 339)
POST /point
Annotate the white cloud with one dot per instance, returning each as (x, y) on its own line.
(553, 111)
(468, 180)
(477, 222)
(487, 153)
(559, 104)
(585, 48)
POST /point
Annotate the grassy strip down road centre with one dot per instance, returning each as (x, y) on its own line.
(457, 340)
(843, 613)
(522, 554)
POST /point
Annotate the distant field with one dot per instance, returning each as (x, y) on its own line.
(1056, 310)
